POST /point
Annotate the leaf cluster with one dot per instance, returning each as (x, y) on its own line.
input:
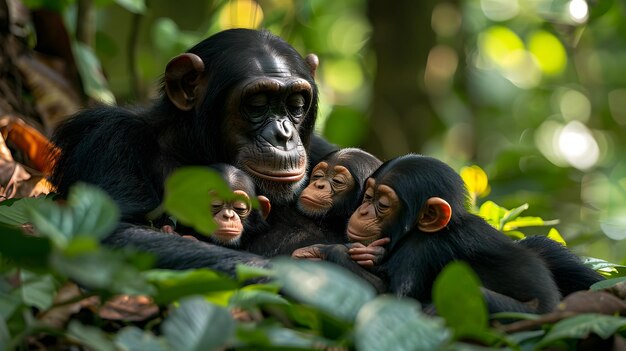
(60, 288)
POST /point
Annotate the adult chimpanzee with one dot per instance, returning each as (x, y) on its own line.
(237, 221)
(419, 202)
(324, 206)
(242, 97)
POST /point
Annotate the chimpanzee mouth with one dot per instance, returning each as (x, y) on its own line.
(310, 202)
(278, 176)
(358, 237)
(228, 233)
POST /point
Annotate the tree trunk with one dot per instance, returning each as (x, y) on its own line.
(401, 118)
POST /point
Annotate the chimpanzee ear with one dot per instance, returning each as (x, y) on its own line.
(265, 206)
(435, 215)
(182, 77)
(313, 61)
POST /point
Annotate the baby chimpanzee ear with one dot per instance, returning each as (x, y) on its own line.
(434, 216)
(265, 206)
(182, 79)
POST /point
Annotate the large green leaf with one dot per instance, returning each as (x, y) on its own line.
(389, 323)
(581, 326)
(37, 290)
(188, 195)
(5, 337)
(89, 211)
(15, 211)
(173, 285)
(103, 269)
(10, 301)
(459, 300)
(275, 337)
(135, 339)
(324, 285)
(245, 272)
(198, 326)
(248, 298)
(25, 250)
(604, 284)
(92, 337)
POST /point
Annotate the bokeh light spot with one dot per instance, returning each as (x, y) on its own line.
(548, 51)
(578, 146)
(578, 10)
(575, 106)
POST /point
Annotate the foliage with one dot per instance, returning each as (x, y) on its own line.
(305, 305)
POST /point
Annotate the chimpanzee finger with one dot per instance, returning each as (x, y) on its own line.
(366, 263)
(380, 242)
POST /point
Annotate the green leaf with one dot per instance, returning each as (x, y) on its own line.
(459, 300)
(89, 211)
(5, 337)
(492, 213)
(93, 338)
(173, 285)
(94, 82)
(388, 323)
(249, 298)
(134, 6)
(245, 272)
(580, 326)
(189, 192)
(277, 337)
(522, 222)
(511, 215)
(198, 325)
(15, 211)
(330, 288)
(135, 339)
(94, 212)
(604, 266)
(103, 269)
(9, 302)
(605, 284)
(37, 290)
(25, 250)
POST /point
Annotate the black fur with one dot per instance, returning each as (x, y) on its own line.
(514, 278)
(130, 152)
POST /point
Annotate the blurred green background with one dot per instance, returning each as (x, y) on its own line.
(532, 91)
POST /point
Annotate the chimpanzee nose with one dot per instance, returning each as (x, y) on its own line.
(280, 133)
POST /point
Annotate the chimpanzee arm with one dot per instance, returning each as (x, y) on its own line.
(497, 302)
(175, 252)
(338, 254)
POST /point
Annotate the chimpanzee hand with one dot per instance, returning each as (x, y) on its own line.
(312, 252)
(170, 230)
(370, 255)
